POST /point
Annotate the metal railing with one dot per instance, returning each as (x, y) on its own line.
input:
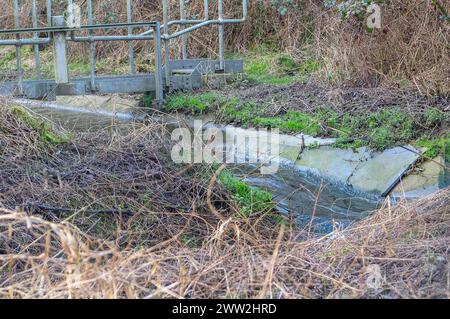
(58, 34)
(197, 24)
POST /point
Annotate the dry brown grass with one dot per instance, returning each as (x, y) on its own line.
(411, 49)
(408, 245)
(171, 231)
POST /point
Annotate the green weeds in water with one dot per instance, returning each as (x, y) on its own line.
(249, 199)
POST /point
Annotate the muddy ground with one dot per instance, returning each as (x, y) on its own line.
(309, 96)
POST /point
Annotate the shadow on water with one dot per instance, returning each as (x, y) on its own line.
(307, 199)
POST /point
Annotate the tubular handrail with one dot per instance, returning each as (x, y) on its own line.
(206, 19)
(81, 28)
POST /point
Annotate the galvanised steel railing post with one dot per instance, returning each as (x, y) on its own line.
(206, 9)
(37, 57)
(91, 47)
(184, 36)
(221, 37)
(166, 41)
(130, 32)
(18, 47)
(60, 52)
(159, 92)
(49, 13)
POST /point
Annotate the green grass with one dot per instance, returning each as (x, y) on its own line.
(386, 128)
(237, 112)
(291, 122)
(8, 59)
(249, 199)
(252, 114)
(436, 146)
(378, 130)
(262, 67)
(192, 103)
(46, 132)
(81, 66)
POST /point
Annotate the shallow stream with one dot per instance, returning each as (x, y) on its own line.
(297, 194)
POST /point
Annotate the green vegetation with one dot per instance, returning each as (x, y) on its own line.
(436, 147)
(389, 127)
(195, 104)
(292, 121)
(190, 240)
(264, 64)
(82, 66)
(249, 199)
(246, 114)
(7, 59)
(243, 113)
(277, 69)
(46, 132)
(378, 129)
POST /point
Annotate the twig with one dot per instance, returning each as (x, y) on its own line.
(273, 261)
(64, 210)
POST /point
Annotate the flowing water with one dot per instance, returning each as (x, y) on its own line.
(307, 199)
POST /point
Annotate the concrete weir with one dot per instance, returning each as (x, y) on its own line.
(394, 172)
(363, 169)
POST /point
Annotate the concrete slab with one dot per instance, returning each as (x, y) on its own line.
(426, 179)
(337, 164)
(382, 172)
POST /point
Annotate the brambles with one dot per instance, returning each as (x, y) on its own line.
(170, 235)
